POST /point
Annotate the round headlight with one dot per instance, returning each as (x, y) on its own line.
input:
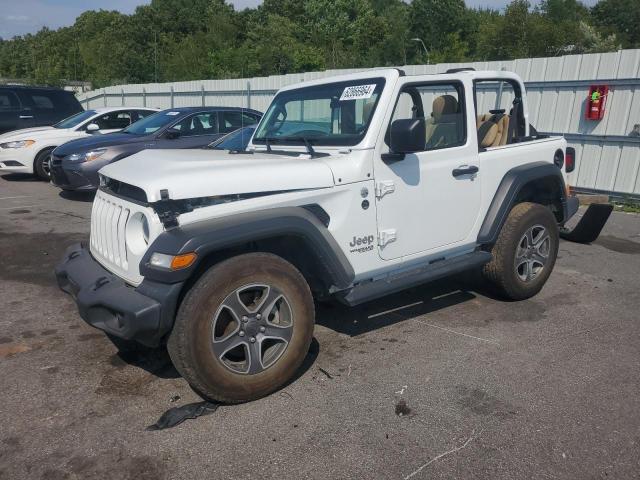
(137, 233)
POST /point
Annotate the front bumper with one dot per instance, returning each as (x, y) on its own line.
(70, 176)
(16, 160)
(144, 314)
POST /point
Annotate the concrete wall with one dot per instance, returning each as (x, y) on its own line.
(608, 159)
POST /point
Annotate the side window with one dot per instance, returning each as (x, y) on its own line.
(9, 101)
(139, 115)
(42, 101)
(442, 107)
(199, 124)
(113, 120)
(499, 113)
(233, 120)
(494, 95)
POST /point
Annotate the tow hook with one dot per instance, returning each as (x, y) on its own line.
(590, 225)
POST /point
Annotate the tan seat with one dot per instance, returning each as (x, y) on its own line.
(492, 130)
(444, 125)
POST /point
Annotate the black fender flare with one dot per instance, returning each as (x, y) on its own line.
(504, 199)
(208, 236)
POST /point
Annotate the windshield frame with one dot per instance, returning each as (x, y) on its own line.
(329, 140)
(80, 124)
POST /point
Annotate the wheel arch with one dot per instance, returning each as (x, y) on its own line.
(539, 182)
(296, 234)
(42, 150)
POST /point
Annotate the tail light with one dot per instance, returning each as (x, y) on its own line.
(570, 160)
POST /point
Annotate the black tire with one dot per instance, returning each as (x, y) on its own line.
(200, 333)
(519, 269)
(41, 166)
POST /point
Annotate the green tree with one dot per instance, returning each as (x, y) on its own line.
(619, 17)
(433, 20)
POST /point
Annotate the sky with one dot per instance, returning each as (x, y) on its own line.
(18, 17)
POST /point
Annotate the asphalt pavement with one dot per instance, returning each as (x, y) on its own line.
(442, 381)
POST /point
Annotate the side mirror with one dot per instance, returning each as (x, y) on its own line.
(408, 135)
(93, 128)
(172, 133)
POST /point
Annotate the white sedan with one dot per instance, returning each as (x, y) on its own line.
(28, 150)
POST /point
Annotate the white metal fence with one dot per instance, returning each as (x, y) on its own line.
(557, 87)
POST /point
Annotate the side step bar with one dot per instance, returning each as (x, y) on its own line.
(396, 282)
(590, 225)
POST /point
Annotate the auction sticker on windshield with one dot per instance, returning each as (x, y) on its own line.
(172, 113)
(357, 92)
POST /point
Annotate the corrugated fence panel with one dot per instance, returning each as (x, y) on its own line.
(557, 88)
(627, 179)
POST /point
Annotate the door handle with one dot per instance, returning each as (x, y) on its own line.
(26, 116)
(464, 170)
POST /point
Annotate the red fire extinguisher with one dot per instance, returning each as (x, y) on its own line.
(596, 102)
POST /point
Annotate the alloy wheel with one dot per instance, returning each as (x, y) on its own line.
(252, 328)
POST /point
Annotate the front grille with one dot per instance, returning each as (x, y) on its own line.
(108, 229)
(55, 160)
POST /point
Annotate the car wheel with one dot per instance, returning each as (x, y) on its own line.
(525, 253)
(244, 328)
(41, 164)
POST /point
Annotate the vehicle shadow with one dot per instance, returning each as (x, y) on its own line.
(77, 196)
(155, 361)
(352, 321)
(20, 177)
(405, 305)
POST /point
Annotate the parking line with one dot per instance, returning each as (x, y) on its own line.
(393, 310)
(21, 196)
(458, 333)
(22, 206)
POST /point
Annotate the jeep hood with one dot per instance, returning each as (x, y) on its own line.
(206, 173)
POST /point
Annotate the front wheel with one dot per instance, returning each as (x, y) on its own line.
(525, 253)
(41, 166)
(244, 329)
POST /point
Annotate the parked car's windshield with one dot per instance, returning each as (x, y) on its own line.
(329, 114)
(152, 123)
(75, 120)
(237, 140)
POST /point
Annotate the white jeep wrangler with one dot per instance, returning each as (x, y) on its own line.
(352, 188)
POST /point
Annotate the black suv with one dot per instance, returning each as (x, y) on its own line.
(25, 107)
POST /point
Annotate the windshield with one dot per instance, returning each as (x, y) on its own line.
(329, 114)
(152, 123)
(237, 140)
(75, 120)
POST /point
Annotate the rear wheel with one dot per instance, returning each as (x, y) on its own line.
(244, 329)
(525, 253)
(41, 165)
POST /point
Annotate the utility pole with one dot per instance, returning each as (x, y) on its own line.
(155, 56)
(423, 46)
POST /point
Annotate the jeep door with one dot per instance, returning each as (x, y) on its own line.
(429, 200)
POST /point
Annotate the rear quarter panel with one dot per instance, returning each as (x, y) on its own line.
(496, 162)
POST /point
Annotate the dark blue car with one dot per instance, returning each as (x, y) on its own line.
(75, 165)
(236, 141)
